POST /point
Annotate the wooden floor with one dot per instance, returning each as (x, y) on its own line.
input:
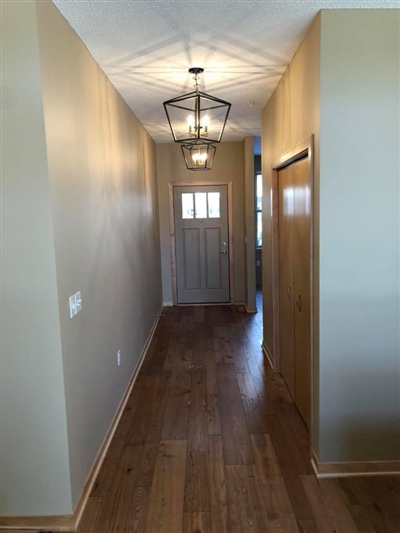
(210, 441)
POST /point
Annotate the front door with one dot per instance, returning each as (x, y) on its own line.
(201, 242)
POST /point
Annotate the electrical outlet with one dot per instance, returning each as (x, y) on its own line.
(119, 357)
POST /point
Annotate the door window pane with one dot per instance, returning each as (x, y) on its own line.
(187, 205)
(201, 204)
(213, 205)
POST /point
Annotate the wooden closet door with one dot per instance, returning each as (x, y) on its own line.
(302, 283)
(286, 184)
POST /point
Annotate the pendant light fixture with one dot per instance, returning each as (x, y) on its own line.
(198, 155)
(197, 121)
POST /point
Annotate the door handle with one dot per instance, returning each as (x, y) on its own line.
(298, 303)
(224, 252)
(289, 293)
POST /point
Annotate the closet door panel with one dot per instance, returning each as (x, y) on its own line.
(286, 184)
(302, 283)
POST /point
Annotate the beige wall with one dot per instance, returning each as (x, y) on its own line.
(343, 86)
(359, 236)
(290, 117)
(98, 217)
(33, 436)
(227, 167)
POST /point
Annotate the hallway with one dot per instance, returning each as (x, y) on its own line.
(210, 441)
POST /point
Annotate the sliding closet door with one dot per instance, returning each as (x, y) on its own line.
(294, 225)
(286, 276)
(302, 283)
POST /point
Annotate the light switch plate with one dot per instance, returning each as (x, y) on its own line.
(78, 302)
(72, 306)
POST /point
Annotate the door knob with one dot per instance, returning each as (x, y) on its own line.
(224, 252)
(298, 302)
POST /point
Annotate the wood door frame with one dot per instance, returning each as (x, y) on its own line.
(171, 185)
(304, 150)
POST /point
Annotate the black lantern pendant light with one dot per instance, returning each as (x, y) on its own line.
(197, 121)
(198, 155)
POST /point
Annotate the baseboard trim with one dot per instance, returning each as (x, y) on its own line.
(356, 468)
(71, 522)
(268, 355)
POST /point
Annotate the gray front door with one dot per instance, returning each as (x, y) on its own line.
(201, 241)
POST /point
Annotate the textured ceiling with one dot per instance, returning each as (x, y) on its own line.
(146, 47)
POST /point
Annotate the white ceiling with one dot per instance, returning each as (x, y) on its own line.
(146, 47)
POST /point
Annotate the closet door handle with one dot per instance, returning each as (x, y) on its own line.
(298, 303)
(289, 293)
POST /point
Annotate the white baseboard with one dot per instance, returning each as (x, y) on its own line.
(268, 355)
(355, 468)
(71, 522)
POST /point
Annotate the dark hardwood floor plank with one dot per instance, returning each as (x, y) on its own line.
(236, 440)
(211, 373)
(241, 510)
(158, 408)
(226, 372)
(213, 415)
(335, 504)
(315, 499)
(198, 390)
(197, 483)
(145, 470)
(298, 498)
(218, 499)
(368, 519)
(307, 525)
(114, 513)
(176, 417)
(246, 385)
(165, 509)
(266, 461)
(136, 522)
(198, 432)
(196, 523)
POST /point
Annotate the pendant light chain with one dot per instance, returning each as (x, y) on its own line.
(196, 82)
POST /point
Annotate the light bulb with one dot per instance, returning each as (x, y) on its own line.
(205, 123)
(190, 121)
(199, 159)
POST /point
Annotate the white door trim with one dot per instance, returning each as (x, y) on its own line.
(171, 186)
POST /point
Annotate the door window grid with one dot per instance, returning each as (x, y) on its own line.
(201, 205)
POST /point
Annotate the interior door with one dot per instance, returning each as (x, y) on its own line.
(201, 243)
(294, 225)
(286, 277)
(302, 282)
